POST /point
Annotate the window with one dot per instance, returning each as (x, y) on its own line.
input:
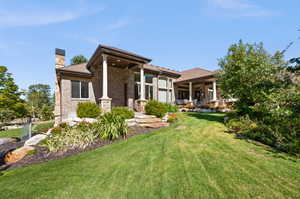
(170, 83)
(162, 83)
(149, 79)
(183, 94)
(79, 89)
(148, 86)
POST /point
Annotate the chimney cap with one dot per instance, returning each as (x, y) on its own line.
(59, 51)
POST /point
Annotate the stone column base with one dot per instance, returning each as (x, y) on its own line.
(140, 105)
(105, 105)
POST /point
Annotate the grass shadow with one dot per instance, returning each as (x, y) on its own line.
(214, 117)
(271, 150)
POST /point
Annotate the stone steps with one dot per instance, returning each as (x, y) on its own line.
(146, 121)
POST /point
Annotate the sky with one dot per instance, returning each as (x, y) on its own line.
(174, 34)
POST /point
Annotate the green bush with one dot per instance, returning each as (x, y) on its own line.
(124, 112)
(111, 126)
(156, 108)
(171, 108)
(69, 139)
(88, 110)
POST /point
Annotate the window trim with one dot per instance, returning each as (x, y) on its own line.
(80, 96)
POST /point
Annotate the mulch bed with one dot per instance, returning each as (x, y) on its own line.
(42, 154)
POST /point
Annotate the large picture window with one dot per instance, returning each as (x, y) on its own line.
(148, 86)
(79, 89)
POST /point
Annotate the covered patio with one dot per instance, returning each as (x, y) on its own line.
(197, 87)
(116, 77)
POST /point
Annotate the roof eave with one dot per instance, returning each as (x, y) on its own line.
(112, 51)
(73, 73)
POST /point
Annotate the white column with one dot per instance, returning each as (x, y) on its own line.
(190, 91)
(104, 77)
(142, 83)
(214, 91)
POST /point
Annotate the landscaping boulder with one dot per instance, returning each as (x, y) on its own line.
(17, 154)
(7, 140)
(155, 125)
(35, 139)
(131, 122)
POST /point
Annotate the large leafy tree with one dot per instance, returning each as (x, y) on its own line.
(78, 59)
(39, 96)
(268, 92)
(249, 74)
(11, 104)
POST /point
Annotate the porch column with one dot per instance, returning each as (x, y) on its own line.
(190, 91)
(140, 106)
(142, 97)
(104, 77)
(105, 101)
(214, 91)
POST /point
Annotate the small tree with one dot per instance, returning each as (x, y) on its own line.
(78, 59)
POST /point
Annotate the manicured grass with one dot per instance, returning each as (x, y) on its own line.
(200, 161)
(38, 128)
(11, 133)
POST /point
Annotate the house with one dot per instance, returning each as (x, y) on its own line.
(115, 77)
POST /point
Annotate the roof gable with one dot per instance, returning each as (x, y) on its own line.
(193, 73)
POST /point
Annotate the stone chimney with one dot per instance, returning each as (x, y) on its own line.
(59, 63)
(59, 58)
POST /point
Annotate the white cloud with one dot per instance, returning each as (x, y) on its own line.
(31, 19)
(43, 15)
(236, 8)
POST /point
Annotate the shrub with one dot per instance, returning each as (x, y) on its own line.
(70, 139)
(171, 108)
(156, 108)
(124, 112)
(112, 126)
(88, 110)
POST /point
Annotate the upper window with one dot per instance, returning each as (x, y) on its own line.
(149, 79)
(162, 82)
(79, 89)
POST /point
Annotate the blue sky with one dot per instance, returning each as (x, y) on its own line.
(175, 34)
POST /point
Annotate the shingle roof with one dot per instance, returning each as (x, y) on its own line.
(193, 74)
(125, 51)
(79, 68)
(161, 69)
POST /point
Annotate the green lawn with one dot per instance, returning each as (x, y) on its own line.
(11, 133)
(17, 132)
(200, 161)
